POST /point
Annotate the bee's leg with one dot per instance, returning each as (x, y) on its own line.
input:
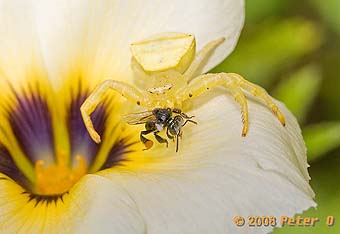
(160, 139)
(200, 57)
(188, 120)
(148, 143)
(92, 101)
(179, 135)
(169, 135)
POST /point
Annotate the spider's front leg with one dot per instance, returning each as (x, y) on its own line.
(92, 101)
(201, 57)
(259, 92)
(233, 83)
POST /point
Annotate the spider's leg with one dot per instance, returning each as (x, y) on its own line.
(201, 56)
(234, 84)
(160, 139)
(242, 101)
(148, 143)
(206, 82)
(260, 92)
(92, 101)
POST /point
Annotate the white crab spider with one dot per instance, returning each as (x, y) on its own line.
(168, 65)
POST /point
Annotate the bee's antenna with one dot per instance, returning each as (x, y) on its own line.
(188, 120)
(185, 116)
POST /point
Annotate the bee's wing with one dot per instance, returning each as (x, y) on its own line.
(139, 118)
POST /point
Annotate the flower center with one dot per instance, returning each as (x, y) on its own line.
(56, 179)
(47, 150)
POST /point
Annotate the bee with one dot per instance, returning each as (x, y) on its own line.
(167, 65)
(158, 120)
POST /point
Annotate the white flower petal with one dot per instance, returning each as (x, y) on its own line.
(87, 208)
(100, 198)
(19, 57)
(91, 38)
(218, 174)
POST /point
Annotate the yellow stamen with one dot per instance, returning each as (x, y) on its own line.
(58, 178)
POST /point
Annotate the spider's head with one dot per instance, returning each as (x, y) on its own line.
(165, 84)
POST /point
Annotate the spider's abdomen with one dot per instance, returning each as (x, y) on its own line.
(165, 51)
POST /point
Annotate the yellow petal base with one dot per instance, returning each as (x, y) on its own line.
(56, 179)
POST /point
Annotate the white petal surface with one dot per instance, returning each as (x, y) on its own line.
(86, 209)
(218, 174)
(100, 198)
(91, 38)
(19, 45)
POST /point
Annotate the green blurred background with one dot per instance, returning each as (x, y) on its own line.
(292, 48)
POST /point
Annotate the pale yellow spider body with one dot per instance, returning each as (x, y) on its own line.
(168, 66)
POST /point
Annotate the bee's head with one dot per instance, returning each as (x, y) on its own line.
(162, 114)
